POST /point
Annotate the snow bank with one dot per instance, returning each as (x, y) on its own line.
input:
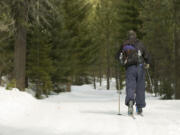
(14, 104)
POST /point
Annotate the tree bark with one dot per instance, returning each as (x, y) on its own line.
(94, 80)
(100, 77)
(177, 48)
(20, 44)
(20, 57)
(39, 91)
(68, 85)
(108, 76)
(177, 70)
(108, 65)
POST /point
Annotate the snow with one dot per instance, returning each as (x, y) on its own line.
(84, 111)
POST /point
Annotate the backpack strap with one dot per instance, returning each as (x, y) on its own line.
(128, 47)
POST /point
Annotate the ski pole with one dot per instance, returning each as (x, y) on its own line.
(150, 80)
(119, 103)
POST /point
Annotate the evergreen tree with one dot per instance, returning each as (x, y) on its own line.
(157, 24)
(6, 39)
(68, 48)
(39, 66)
(23, 13)
(128, 18)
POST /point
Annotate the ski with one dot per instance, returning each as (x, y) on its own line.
(132, 116)
(141, 115)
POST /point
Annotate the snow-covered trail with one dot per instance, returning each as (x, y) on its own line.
(84, 111)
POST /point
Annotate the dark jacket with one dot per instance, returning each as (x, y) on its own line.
(139, 46)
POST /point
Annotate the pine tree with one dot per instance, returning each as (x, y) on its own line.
(157, 24)
(39, 62)
(24, 12)
(104, 22)
(68, 48)
(6, 39)
(128, 18)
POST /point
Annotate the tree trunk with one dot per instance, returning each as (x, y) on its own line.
(20, 45)
(100, 80)
(100, 77)
(68, 85)
(20, 57)
(108, 77)
(177, 70)
(94, 80)
(39, 91)
(177, 48)
(108, 66)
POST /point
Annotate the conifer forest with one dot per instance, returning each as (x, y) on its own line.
(50, 45)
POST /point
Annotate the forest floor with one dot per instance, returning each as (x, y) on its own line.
(84, 111)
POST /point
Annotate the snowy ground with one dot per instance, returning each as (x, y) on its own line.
(84, 111)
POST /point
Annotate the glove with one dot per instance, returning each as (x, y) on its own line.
(146, 66)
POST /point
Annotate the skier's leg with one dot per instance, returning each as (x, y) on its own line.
(140, 88)
(130, 84)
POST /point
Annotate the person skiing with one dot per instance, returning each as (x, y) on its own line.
(133, 55)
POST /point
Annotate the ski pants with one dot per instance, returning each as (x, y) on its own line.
(135, 85)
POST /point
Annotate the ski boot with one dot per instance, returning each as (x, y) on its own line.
(130, 108)
(139, 110)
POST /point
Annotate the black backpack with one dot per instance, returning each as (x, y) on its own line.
(129, 55)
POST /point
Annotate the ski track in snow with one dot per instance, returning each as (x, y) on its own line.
(84, 111)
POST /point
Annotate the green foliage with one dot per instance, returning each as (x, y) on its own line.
(6, 39)
(6, 20)
(128, 17)
(39, 63)
(11, 84)
(157, 24)
(69, 47)
(6, 56)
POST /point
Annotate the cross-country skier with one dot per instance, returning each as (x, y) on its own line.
(135, 58)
